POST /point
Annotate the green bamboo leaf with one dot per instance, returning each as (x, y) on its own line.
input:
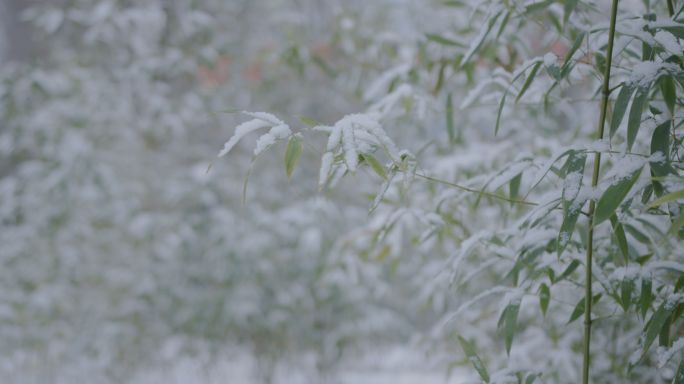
(544, 297)
(579, 308)
(453, 3)
(292, 154)
(569, 270)
(676, 225)
(679, 376)
(626, 289)
(443, 40)
(450, 118)
(509, 321)
(613, 197)
(621, 106)
(474, 359)
(528, 81)
(476, 44)
(676, 195)
(309, 121)
(575, 46)
(571, 206)
(646, 297)
(498, 114)
(655, 325)
(532, 377)
(514, 186)
(660, 143)
(503, 24)
(569, 8)
(634, 119)
(536, 7)
(620, 237)
(669, 91)
(440, 79)
(375, 165)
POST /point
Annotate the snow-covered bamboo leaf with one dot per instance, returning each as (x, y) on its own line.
(620, 108)
(660, 153)
(474, 359)
(572, 206)
(613, 197)
(479, 40)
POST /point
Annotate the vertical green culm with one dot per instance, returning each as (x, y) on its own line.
(605, 93)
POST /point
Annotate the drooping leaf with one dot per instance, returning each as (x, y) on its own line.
(571, 206)
(375, 165)
(474, 359)
(498, 114)
(660, 143)
(479, 40)
(569, 270)
(575, 46)
(620, 237)
(679, 376)
(655, 325)
(532, 377)
(621, 106)
(579, 308)
(450, 118)
(514, 186)
(509, 322)
(544, 297)
(646, 297)
(669, 92)
(440, 79)
(568, 9)
(676, 224)
(292, 154)
(634, 119)
(528, 80)
(613, 197)
(626, 289)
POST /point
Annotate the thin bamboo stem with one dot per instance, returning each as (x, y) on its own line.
(592, 204)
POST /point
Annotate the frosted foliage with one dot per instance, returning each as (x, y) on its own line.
(408, 207)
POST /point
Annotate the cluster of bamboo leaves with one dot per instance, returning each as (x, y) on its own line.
(536, 256)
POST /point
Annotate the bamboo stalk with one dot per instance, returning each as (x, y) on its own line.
(592, 204)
